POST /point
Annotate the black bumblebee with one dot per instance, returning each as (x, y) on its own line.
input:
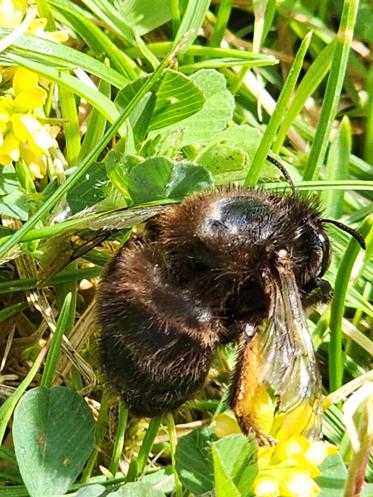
(236, 265)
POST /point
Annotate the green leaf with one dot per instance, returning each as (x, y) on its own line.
(145, 15)
(53, 433)
(178, 97)
(8, 180)
(215, 113)
(89, 191)
(140, 119)
(15, 204)
(333, 477)
(235, 458)
(159, 178)
(367, 490)
(148, 181)
(231, 150)
(163, 479)
(224, 485)
(224, 158)
(188, 178)
(136, 489)
(193, 461)
(92, 491)
(117, 168)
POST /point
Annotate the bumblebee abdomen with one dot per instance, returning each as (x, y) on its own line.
(158, 384)
(156, 343)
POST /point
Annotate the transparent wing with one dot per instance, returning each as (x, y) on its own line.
(277, 388)
(86, 232)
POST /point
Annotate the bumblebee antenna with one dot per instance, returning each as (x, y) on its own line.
(273, 160)
(355, 234)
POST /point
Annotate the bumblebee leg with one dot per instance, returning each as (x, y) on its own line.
(320, 292)
(246, 394)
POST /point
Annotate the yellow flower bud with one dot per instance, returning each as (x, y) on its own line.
(292, 447)
(226, 425)
(298, 484)
(266, 486)
(318, 451)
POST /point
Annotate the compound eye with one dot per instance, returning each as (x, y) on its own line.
(326, 253)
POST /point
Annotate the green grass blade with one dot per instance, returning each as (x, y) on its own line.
(336, 363)
(55, 345)
(61, 278)
(175, 15)
(333, 88)
(221, 22)
(276, 118)
(173, 442)
(44, 11)
(101, 429)
(311, 80)
(12, 310)
(137, 465)
(99, 42)
(191, 22)
(108, 13)
(119, 438)
(337, 169)
(96, 124)
(59, 56)
(160, 49)
(95, 98)
(368, 145)
(71, 125)
(6, 410)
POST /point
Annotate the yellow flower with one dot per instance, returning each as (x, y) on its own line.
(266, 486)
(298, 484)
(288, 468)
(12, 12)
(37, 29)
(22, 135)
(28, 130)
(298, 421)
(292, 448)
(265, 457)
(293, 463)
(9, 150)
(28, 94)
(293, 452)
(226, 424)
(6, 108)
(318, 451)
(37, 164)
(263, 409)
